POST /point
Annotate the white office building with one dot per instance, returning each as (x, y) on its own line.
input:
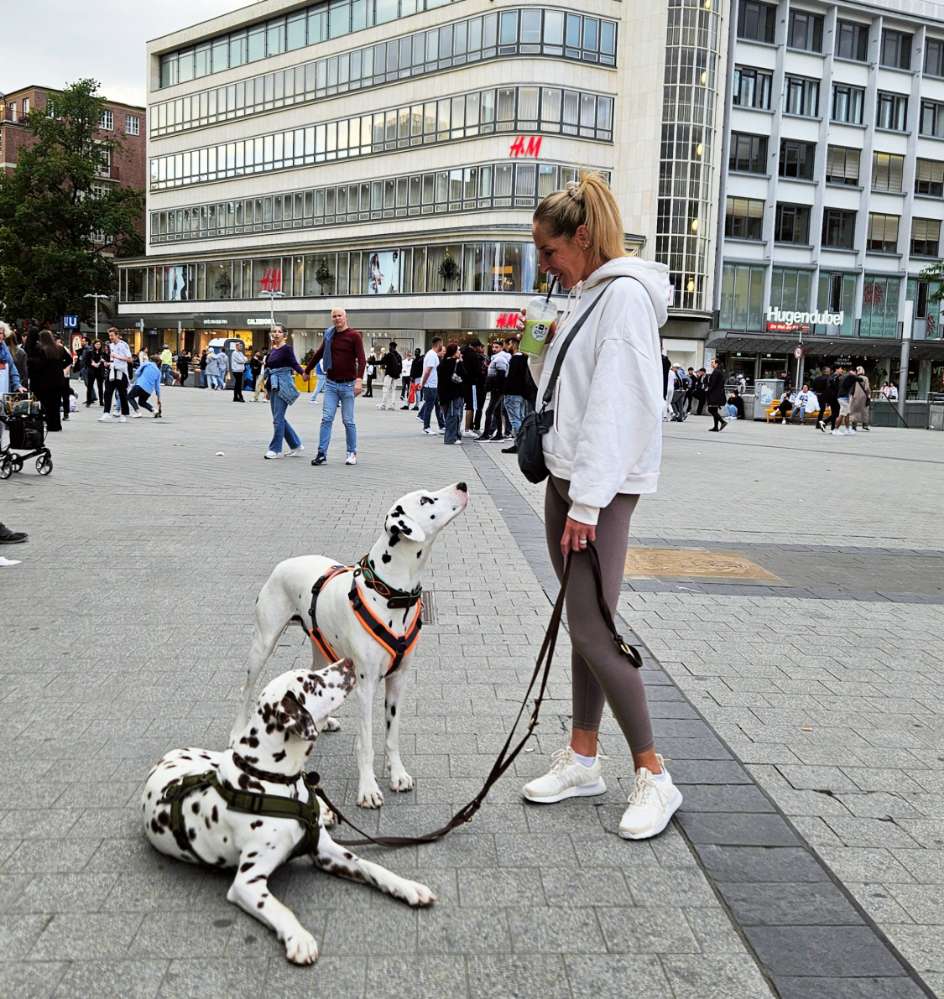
(387, 155)
(833, 196)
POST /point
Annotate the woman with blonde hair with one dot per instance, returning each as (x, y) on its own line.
(603, 449)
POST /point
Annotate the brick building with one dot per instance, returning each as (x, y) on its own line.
(125, 122)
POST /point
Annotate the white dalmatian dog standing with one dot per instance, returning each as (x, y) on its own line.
(399, 557)
(275, 743)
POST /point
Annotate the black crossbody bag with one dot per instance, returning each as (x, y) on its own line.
(535, 425)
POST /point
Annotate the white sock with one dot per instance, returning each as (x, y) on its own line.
(585, 761)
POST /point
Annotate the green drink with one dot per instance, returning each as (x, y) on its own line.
(539, 317)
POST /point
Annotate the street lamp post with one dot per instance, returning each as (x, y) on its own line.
(272, 296)
(96, 297)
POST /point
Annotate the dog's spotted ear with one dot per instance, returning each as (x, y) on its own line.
(296, 719)
(398, 525)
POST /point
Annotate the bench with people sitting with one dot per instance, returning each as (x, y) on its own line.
(794, 407)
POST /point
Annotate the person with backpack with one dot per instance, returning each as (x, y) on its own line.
(392, 365)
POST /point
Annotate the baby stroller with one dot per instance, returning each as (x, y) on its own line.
(24, 419)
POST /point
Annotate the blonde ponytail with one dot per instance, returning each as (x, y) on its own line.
(588, 202)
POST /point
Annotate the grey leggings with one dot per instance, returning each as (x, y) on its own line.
(598, 670)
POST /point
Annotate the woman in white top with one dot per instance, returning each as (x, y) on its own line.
(603, 451)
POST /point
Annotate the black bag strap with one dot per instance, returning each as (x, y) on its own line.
(559, 361)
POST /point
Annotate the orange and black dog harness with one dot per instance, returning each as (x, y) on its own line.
(397, 645)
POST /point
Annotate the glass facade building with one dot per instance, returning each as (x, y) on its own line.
(834, 182)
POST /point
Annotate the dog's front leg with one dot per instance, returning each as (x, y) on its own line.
(369, 794)
(338, 860)
(400, 780)
(250, 891)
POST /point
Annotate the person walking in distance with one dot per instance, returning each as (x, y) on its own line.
(183, 366)
(449, 391)
(821, 390)
(848, 380)
(280, 363)
(612, 377)
(416, 378)
(117, 376)
(392, 365)
(519, 391)
(342, 352)
(429, 384)
(715, 396)
(495, 386)
(147, 381)
(371, 372)
(473, 362)
(238, 365)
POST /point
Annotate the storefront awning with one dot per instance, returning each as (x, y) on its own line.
(727, 341)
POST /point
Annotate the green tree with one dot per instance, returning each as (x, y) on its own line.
(60, 224)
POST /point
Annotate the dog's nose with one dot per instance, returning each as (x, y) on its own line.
(462, 487)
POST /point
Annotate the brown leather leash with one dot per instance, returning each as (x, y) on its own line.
(506, 755)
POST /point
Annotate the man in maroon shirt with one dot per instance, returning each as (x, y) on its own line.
(344, 362)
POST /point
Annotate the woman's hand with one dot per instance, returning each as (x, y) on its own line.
(576, 536)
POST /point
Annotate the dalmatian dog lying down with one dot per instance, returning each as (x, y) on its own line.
(369, 612)
(252, 807)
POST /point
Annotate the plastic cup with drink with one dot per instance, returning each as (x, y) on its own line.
(539, 318)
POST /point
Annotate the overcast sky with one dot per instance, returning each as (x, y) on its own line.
(54, 42)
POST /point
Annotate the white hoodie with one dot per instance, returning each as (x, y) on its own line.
(607, 432)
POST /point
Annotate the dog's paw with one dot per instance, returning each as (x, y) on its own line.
(301, 947)
(370, 796)
(417, 895)
(400, 780)
(331, 724)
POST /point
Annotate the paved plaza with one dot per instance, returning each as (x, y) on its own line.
(787, 588)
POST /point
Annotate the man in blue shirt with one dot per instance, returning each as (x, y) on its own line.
(146, 382)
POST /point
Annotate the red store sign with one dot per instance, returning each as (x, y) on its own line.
(525, 146)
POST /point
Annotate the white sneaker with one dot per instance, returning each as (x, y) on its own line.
(7, 563)
(351, 459)
(136, 415)
(272, 454)
(837, 433)
(851, 430)
(122, 419)
(105, 418)
(566, 779)
(429, 431)
(293, 451)
(651, 805)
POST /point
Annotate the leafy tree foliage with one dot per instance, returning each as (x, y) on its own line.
(60, 223)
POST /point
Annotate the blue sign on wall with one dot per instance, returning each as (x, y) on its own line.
(70, 322)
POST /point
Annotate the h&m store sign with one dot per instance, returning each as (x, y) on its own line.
(787, 321)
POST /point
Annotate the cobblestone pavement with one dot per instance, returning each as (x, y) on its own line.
(831, 695)
(127, 628)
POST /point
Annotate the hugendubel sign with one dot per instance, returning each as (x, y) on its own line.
(787, 321)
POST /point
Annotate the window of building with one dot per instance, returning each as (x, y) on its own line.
(792, 224)
(12, 111)
(744, 218)
(896, 49)
(852, 40)
(26, 106)
(842, 166)
(797, 159)
(463, 42)
(887, 172)
(848, 103)
(880, 295)
(883, 233)
(742, 297)
(107, 121)
(132, 125)
(802, 96)
(104, 162)
(929, 178)
(756, 21)
(839, 228)
(925, 237)
(934, 57)
(932, 119)
(790, 289)
(806, 31)
(892, 112)
(837, 293)
(752, 88)
(564, 111)
(748, 153)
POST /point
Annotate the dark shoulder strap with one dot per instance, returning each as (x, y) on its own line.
(559, 361)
